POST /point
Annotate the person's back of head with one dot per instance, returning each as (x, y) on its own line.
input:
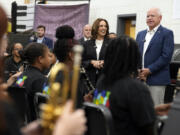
(65, 42)
(37, 54)
(112, 35)
(65, 31)
(122, 59)
(32, 51)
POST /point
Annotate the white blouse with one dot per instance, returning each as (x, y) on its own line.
(98, 47)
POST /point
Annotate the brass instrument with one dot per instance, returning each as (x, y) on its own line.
(88, 83)
(59, 92)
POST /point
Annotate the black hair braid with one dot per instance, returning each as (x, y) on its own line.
(64, 43)
(122, 59)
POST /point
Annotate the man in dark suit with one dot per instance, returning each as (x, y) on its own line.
(156, 45)
(40, 37)
(86, 34)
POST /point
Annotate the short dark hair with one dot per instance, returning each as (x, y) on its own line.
(33, 51)
(122, 59)
(64, 43)
(41, 26)
(95, 27)
(112, 33)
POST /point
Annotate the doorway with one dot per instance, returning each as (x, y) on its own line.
(126, 25)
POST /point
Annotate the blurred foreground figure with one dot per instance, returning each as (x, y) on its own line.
(70, 123)
(127, 98)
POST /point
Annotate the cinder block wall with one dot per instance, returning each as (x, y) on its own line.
(6, 4)
(111, 9)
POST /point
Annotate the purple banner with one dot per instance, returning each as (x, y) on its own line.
(53, 16)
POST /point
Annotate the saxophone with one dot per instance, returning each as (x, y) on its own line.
(59, 92)
(90, 87)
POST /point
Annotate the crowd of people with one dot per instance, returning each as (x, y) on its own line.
(70, 123)
(129, 75)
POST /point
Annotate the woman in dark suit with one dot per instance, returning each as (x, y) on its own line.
(94, 49)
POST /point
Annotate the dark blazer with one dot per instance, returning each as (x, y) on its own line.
(81, 41)
(90, 54)
(47, 41)
(158, 55)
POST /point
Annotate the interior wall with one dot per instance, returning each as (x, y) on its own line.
(6, 4)
(110, 11)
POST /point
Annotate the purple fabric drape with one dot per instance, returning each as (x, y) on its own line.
(53, 16)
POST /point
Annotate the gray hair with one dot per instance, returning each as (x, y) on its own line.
(157, 10)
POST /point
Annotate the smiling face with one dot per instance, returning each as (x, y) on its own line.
(102, 29)
(153, 18)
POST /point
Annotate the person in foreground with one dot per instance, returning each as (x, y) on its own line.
(127, 98)
(63, 49)
(32, 79)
